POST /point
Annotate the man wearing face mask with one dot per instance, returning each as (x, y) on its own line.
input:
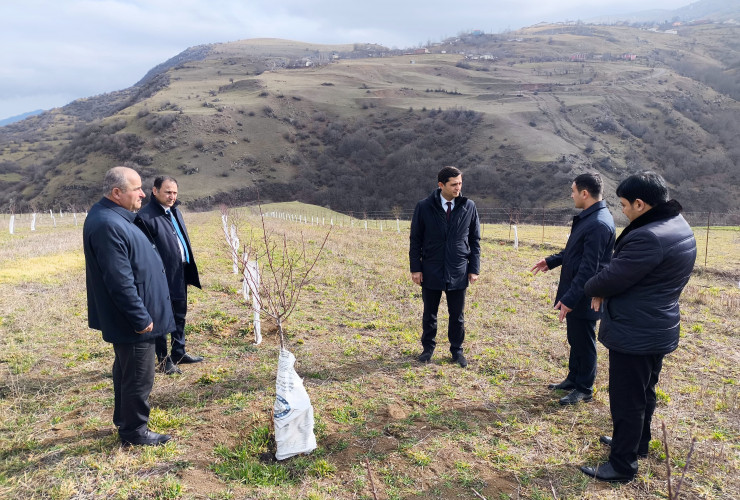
(638, 294)
(167, 226)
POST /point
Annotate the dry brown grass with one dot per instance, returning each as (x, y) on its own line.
(431, 431)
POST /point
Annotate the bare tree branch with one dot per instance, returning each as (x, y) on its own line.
(284, 265)
(671, 494)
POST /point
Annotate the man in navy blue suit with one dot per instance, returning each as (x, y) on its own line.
(444, 256)
(164, 221)
(127, 299)
(588, 250)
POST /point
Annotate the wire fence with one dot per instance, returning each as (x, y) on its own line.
(717, 234)
(531, 216)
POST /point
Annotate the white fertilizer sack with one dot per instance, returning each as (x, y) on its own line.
(293, 411)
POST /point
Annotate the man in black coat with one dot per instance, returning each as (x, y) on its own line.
(639, 290)
(127, 299)
(444, 255)
(588, 250)
(168, 229)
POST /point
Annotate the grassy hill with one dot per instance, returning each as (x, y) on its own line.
(360, 128)
(416, 431)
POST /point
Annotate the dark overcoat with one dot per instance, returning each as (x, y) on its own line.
(588, 250)
(445, 252)
(179, 274)
(641, 285)
(126, 281)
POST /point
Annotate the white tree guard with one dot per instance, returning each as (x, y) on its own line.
(11, 226)
(33, 222)
(234, 241)
(251, 286)
(516, 237)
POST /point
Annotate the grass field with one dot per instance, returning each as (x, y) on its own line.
(383, 421)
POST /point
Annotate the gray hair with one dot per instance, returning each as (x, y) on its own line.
(115, 178)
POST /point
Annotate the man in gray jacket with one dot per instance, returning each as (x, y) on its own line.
(639, 290)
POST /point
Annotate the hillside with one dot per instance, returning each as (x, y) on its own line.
(362, 128)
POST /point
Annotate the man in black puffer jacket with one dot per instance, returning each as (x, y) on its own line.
(444, 255)
(652, 262)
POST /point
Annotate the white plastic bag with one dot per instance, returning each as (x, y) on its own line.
(293, 413)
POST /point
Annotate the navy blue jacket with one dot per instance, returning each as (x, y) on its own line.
(445, 252)
(179, 274)
(652, 263)
(126, 281)
(588, 250)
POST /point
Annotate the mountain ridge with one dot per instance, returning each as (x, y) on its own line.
(312, 122)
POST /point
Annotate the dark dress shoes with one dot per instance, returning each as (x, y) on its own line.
(167, 367)
(605, 472)
(575, 396)
(188, 359)
(149, 438)
(459, 358)
(565, 385)
(607, 440)
(425, 357)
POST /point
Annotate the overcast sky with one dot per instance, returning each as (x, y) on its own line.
(56, 51)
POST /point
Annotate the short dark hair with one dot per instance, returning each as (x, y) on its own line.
(447, 173)
(161, 178)
(646, 185)
(591, 182)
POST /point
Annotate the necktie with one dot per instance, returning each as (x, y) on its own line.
(449, 209)
(179, 235)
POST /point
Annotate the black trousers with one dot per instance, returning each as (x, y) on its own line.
(582, 359)
(632, 380)
(456, 326)
(133, 378)
(179, 310)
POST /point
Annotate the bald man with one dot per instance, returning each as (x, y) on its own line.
(127, 299)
